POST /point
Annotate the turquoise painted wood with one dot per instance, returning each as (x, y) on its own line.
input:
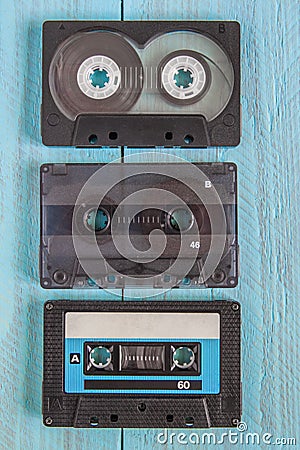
(21, 298)
(268, 162)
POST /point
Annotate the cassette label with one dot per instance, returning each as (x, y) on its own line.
(162, 80)
(141, 362)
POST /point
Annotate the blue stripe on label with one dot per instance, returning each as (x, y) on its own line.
(210, 369)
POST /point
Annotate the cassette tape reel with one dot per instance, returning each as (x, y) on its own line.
(141, 84)
(141, 364)
(139, 225)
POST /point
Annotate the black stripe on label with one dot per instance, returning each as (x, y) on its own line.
(144, 385)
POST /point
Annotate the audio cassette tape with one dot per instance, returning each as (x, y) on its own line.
(141, 364)
(139, 225)
(141, 83)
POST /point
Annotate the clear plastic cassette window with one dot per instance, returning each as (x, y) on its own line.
(105, 72)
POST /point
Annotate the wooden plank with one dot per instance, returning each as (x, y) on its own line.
(268, 163)
(21, 298)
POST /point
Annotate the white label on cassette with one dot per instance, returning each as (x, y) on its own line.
(136, 325)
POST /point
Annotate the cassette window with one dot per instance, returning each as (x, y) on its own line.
(139, 225)
(141, 83)
(103, 359)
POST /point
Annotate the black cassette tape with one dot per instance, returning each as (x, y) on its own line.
(141, 83)
(139, 225)
(141, 364)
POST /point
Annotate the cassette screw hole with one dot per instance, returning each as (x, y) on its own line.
(183, 357)
(53, 119)
(48, 420)
(170, 418)
(168, 135)
(94, 421)
(93, 139)
(189, 421)
(49, 306)
(99, 78)
(113, 135)
(114, 418)
(142, 407)
(183, 78)
(229, 120)
(60, 277)
(188, 139)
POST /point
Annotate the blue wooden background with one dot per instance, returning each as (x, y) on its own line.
(269, 167)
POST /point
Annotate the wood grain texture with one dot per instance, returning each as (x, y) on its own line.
(268, 163)
(21, 298)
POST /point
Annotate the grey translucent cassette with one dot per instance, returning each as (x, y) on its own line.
(87, 247)
(138, 78)
(75, 61)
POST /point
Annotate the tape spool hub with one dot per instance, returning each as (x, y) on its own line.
(100, 357)
(99, 77)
